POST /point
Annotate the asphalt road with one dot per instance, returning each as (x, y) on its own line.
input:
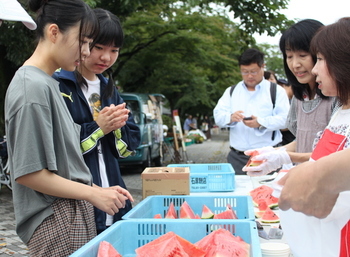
(213, 151)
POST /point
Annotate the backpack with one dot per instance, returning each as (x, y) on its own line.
(273, 99)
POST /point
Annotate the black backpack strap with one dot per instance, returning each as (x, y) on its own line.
(232, 88)
(273, 100)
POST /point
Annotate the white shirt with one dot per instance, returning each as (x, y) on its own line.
(257, 103)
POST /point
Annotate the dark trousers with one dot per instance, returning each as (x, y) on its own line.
(238, 160)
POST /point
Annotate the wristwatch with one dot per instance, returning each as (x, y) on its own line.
(261, 127)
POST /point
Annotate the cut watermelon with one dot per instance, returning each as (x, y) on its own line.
(262, 205)
(270, 217)
(105, 249)
(228, 214)
(171, 213)
(250, 162)
(264, 192)
(260, 189)
(157, 216)
(229, 207)
(222, 243)
(186, 211)
(169, 245)
(207, 213)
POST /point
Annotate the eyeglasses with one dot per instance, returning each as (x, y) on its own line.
(244, 73)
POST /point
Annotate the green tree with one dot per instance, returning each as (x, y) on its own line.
(185, 50)
(273, 59)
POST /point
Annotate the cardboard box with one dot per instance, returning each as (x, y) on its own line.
(165, 181)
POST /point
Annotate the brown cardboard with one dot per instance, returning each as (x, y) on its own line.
(165, 181)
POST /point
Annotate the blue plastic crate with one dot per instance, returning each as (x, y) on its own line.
(159, 204)
(127, 235)
(210, 177)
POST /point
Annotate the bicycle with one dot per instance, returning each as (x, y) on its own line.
(5, 178)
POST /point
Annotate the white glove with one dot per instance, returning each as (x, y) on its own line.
(262, 150)
(271, 161)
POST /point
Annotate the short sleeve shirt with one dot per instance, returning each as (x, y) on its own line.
(40, 135)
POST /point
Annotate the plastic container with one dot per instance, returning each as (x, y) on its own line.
(275, 250)
(210, 177)
(159, 204)
(127, 235)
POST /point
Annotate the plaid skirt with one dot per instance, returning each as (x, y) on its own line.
(69, 227)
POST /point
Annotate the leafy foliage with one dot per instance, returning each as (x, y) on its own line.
(185, 50)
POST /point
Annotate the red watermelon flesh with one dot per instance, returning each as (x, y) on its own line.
(270, 200)
(264, 192)
(105, 249)
(186, 211)
(169, 245)
(270, 216)
(207, 213)
(222, 243)
(260, 189)
(157, 216)
(262, 205)
(171, 213)
(250, 162)
(228, 214)
(229, 207)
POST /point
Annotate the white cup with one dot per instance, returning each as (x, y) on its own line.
(275, 250)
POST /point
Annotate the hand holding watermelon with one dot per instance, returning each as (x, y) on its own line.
(270, 161)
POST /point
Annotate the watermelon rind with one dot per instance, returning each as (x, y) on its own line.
(269, 217)
(206, 213)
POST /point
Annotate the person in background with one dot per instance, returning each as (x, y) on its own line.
(194, 124)
(108, 130)
(310, 110)
(206, 125)
(287, 86)
(188, 124)
(270, 76)
(249, 111)
(330, 235)
(287, 136)
(53, 193)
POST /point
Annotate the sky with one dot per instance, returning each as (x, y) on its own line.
(326, 12)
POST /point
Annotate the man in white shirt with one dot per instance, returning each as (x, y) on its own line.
(249, 112)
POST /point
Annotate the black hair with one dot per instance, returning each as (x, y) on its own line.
(251, 56)
(110, 34)
(268, 73)
(65, 14)
(298, 38)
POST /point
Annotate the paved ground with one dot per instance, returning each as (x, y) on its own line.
(214, 151)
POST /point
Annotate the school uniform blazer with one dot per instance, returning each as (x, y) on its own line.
(117, 144)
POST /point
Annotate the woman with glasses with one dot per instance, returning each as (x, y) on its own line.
(310, 110)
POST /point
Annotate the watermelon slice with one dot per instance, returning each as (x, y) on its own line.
(169, 245)
(264, 192)
(250, 162)
(157, 216)
(229, 207)
(171, 213)
(260, 189)
(186, 211)
(262, 205)
(270, 217)
(207, 213)
(227, 214)
(105, 249)
(222, 243)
